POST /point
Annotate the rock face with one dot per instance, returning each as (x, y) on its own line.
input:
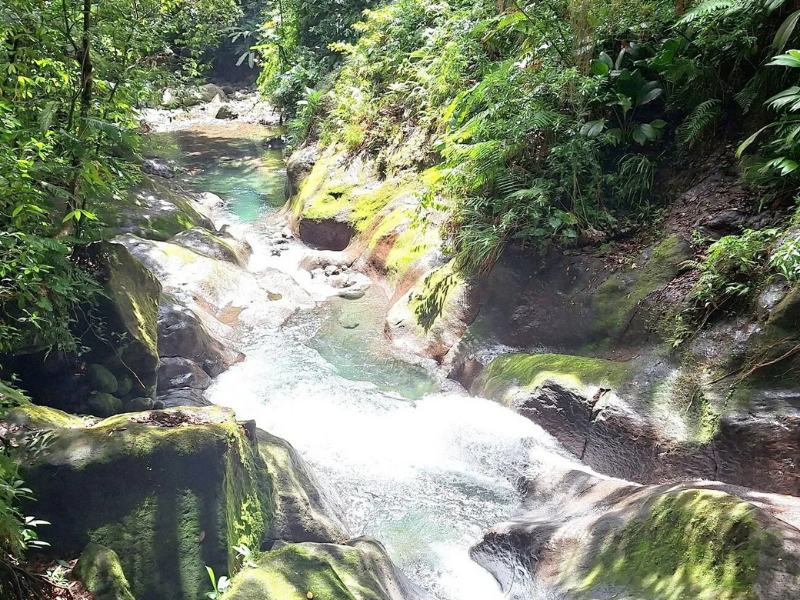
(648, 427)
(226, 112)
(204, 242)
(177, 373)
(168, 491)
(586, 536)
(153, 211)
(100, 571)
(158, 167)
(361, 570)
(181, 334)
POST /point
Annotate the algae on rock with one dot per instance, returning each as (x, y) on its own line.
(99, 569)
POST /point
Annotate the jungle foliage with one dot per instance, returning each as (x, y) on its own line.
(547, 122)
(71, 74)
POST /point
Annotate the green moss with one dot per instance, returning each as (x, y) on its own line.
(134, 292)
(100, 570)
(410, 245)
(167, 500)
(324, 571)
(532, 370)
(312, 184)
(618, 296)
(698, 544)
(44, 417)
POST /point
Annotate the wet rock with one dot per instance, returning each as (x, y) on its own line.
(176, 398)
(182, 334)
(326, 234)
(304, 510)
(286, 233)
(299, 166)
(103, 405)
(581, 535)
(210, 92)
(224, 247)
(181, 373)
(360, 570)
(641, 423)
(100, 571)
(153, 211)
(209, 201)
(102, 379)
(725, 223)
(226, 112)
(277, 142)
(158, 167)
(466, 372)
(331, 270)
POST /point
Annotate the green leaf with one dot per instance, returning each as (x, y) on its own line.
(785, 31)
(593, 128)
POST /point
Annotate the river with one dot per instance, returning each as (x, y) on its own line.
(413, 461)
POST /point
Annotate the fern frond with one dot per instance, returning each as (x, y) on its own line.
(698, 123)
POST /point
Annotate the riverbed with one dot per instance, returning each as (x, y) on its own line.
(410, 459)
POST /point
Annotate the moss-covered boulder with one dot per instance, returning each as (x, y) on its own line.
(360, 570)
(219, 247)
(648, 420)
(591, 538)
(103, 405)
(102, 379)
(169, 491)
(100, 571)
(130, 309)
(153, 210)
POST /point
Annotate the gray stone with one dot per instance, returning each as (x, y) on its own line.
(179, 372)
(158, 167)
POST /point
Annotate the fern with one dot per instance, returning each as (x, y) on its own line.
(698, 123)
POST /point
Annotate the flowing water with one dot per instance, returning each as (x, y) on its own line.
(419, 466)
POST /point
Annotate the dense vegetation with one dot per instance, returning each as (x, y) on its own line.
(551, 122)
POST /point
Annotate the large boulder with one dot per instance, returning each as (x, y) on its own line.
(647, 421)
(219, 247)
(169, 491)
(360, 570)
(177, 373)
(583, 536)
(153, 210)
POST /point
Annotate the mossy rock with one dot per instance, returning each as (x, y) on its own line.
(616, 300)
(699, 544)
(360, 570)
(130, 309)
(207, 244)
(529, 371)
(104, 405)
(100, 571)
(169, 491)
(606, 538)
(43, 417)
(152, 211)
(102, 379)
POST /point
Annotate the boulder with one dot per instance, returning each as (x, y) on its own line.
(158, 167)
(182, 334)
(100, 571)
(360, 570)
(138, 404)
(583, 536)
(209, 92)
(646, 421)
(103, 405)
(303, 511)
(152, 210)
(179, 372)
(176, 398)
(129, 309)
(226, 112)
(220, 247)
(168, 491)
(102, 379)
(299, 166)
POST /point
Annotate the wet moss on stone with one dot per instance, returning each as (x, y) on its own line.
(699, 544)
(618, 296)
(99, 569)
(167, 499)
(431, 298)
(529, 371)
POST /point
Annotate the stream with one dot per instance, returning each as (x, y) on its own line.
(412, 460)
